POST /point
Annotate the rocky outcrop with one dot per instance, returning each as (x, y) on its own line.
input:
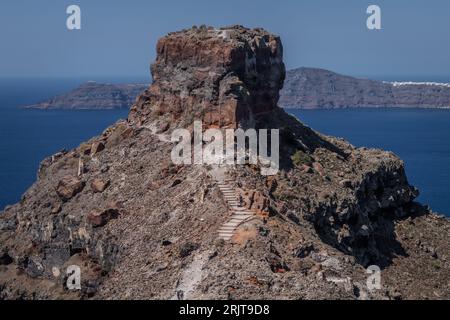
(332, 209)
(309, 88)
(223, 77)
(95, 96)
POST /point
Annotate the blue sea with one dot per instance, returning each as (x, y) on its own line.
(28, 136)
(420, 137)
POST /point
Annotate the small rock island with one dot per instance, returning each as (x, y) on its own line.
(94, 96)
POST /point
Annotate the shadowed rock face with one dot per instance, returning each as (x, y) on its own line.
(221, 76)
(141, 227)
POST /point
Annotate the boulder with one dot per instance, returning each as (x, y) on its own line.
(319, 168)
(187, 248)
(99, 185)
(99, 217)
(97, 146)
(68, 187)
(256, 201)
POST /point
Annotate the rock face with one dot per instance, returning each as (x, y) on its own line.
(92, 95)
(223, 77)
(332, 209)
(310, 88)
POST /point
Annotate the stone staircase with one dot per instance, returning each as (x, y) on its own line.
(240, 214)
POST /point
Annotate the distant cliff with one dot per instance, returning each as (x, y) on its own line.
(304, 88)
(92, 95)
(309, 88)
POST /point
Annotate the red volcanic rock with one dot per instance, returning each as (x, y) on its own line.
(99, 185)
(99, 218)
(223, 77)
(68, 187)
(97, 146)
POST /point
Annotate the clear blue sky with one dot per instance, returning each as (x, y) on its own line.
(118, 37)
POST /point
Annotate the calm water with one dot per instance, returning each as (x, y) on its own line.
(28, 136)
(419, 137)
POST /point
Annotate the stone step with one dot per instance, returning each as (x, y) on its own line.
(241, 216)
(240, 209)
(231, 226)
(228, 229)
(226, 234)
(235, 222)
(238, 220)
(232, 221)
(235, 210)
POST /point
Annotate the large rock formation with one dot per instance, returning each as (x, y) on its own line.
(223, 77)
(309, 88)
(139, 226)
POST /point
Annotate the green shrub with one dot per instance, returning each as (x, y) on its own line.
(299, 158)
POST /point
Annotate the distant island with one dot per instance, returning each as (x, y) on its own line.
(93, 95)
(310, 88)
(304, 88)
